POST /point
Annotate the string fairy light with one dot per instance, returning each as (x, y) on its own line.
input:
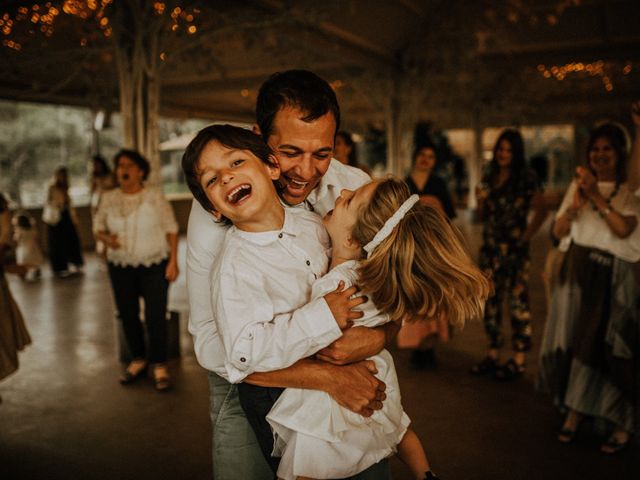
(599, 68)
(41, 18)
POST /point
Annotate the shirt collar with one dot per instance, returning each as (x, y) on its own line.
(291, 227)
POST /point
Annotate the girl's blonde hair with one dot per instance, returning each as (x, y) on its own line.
(422, 269)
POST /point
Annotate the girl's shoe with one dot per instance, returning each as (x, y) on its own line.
(161, 378)
(488, 365)
(509, 371)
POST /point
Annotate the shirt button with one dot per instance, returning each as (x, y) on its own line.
(280, 235)
(242, 359)
(308, 262)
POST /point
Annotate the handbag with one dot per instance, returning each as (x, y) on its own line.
(51, 214)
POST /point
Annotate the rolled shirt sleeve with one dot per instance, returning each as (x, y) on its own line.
(258, 338)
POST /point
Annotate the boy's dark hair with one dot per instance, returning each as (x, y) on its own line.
(301, 89)
(229, 136)
(135, 157)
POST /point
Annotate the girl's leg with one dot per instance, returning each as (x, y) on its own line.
(410, 451)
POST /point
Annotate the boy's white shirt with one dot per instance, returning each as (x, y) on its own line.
(261, 287)
(204, 241)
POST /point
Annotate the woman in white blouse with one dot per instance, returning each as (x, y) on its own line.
(590, 342)
(139, 229)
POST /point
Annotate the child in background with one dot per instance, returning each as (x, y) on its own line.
(415, 267)
(28, 253)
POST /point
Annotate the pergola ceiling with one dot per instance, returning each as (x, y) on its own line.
(455, 62)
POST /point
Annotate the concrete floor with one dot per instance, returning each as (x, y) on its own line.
(64, 415)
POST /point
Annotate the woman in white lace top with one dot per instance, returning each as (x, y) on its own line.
(139, 229)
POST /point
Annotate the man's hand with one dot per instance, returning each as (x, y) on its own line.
(356, 343)
(356, 388)
(341, 305)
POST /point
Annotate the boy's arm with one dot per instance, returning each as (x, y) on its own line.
(255, 337)
(353, 386)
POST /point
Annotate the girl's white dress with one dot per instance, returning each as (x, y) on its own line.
(318, 438)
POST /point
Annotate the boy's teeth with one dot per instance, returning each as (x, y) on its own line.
(232, 195)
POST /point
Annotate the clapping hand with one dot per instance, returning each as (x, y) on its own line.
(587, 182)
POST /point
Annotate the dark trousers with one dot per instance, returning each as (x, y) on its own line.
(257, 402)
(131, 283)
(64, 244)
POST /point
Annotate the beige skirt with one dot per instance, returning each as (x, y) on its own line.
(13, 332)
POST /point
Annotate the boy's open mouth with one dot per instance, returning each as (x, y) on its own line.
(239, 193)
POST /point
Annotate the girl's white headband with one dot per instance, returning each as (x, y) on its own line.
(390, 224)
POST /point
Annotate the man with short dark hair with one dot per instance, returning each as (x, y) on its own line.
(298, 115)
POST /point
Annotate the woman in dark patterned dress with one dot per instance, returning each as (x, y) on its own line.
(507, 192)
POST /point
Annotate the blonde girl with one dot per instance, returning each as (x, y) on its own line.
(411, 263)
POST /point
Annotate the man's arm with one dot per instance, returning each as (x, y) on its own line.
(353, 386)
(204, 239)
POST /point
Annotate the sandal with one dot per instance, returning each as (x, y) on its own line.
(614, 445)
(133, 373)
(487, 365)
(509, 371)
(161, 378)
(430, 476)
